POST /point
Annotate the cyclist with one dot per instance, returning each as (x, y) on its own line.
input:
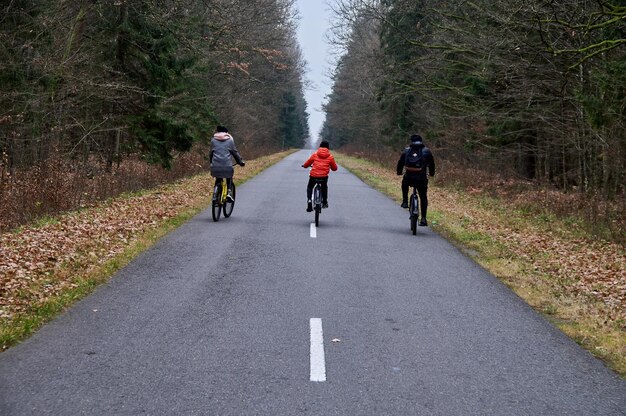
(322, 161)
(415, 160)
(222, 149)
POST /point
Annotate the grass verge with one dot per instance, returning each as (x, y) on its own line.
(63, 267)
(576, 282)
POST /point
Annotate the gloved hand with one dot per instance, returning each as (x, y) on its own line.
(242, 164)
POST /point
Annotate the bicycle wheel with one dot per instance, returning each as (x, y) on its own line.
(216, 208)
(228, 205)
(318, 209)
(317, 200)
(413, 216)
(317, 195)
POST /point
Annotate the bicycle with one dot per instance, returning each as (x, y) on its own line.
(220, 202)
(317, 201)
(414, 210)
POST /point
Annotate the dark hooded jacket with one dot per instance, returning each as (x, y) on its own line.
(222, 151)
(426, 154)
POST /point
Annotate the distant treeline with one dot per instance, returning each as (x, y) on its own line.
(528, 87)
(101, 80)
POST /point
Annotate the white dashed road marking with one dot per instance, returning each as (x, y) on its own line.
(318, 362)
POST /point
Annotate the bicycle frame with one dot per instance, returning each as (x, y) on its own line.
(220, 192)
(224, 191)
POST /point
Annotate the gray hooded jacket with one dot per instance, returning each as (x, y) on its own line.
(222, 151)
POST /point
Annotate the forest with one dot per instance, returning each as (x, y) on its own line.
(530, 89)
(102, 97)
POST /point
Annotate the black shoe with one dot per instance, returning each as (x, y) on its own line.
(309, 207)
(404, 205)
(423, 222)
(230, 198)
(325, 205)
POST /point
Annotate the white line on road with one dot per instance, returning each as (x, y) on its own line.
(313, 230)
(318, 363)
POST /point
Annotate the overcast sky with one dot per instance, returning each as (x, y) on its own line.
(312, 27)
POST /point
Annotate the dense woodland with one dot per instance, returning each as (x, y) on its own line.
(93, 87)
(100, 97)
(535, 89)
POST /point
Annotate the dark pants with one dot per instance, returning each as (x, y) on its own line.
(311, 185)
(421, 183)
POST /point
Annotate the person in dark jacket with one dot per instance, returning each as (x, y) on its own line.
(322, 162)
(222, 151)
(416, 176)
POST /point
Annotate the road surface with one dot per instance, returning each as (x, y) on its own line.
(262, 314)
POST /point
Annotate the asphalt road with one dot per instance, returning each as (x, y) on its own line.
(254, 316)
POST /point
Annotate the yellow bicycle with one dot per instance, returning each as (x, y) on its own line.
(221, 202)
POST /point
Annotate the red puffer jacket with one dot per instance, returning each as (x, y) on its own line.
(322, 162)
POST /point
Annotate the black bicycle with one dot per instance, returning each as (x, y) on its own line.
(414, 210)
(317, 201)
(221, 202)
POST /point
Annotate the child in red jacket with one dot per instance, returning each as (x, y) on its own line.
(322, 162)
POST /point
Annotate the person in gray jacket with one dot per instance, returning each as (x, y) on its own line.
(222, 151)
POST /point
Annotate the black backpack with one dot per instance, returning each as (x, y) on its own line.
(414, 159)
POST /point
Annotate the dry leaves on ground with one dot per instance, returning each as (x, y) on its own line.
(39, 262)
(580, 266)
(30, 260)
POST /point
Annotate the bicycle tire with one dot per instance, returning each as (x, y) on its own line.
(228, 206)
(318, 209)
(216, 206)
(317, 194)
(317, 200)
(413, 209)
(416, 206)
